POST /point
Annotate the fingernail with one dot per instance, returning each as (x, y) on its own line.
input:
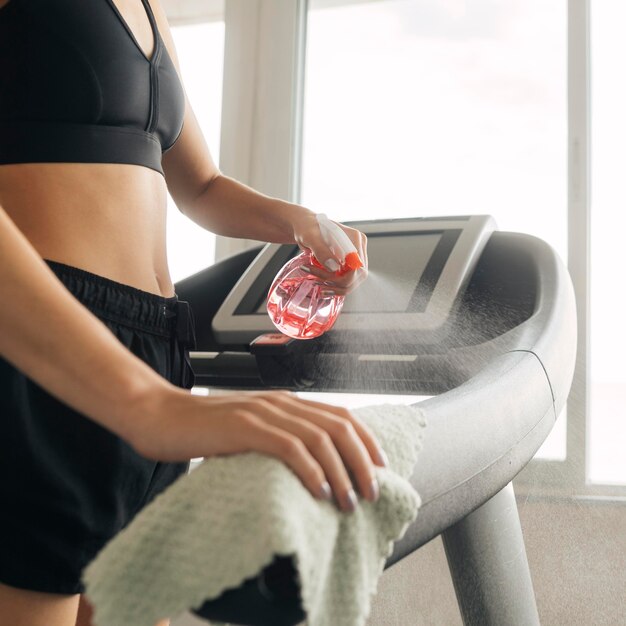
(382, 457)
(306, 268)
(325, 491)
(332, 265)
(374, 490)
(350, 500)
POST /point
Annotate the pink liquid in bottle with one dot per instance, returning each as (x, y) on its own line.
(295, 302)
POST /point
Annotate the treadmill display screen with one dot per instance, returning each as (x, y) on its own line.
(418, 269)
(403, 271)
(395, 265)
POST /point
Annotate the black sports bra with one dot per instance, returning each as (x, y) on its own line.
(76, 87)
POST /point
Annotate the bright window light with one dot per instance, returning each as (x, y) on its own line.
(200, 49)
(419, 108)
(607, 427)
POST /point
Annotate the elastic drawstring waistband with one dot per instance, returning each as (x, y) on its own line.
(118, 302)
(108, 299)
(185, 325)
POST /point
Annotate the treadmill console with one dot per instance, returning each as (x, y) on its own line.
(418, 268)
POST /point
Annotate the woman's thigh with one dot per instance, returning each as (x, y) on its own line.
(21, 607)
(85, 614)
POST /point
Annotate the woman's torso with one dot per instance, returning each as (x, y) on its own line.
(109, 219)
(106, 218)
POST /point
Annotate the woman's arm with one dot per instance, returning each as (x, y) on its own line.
(227, 207)
(57, 342)
(202, 193)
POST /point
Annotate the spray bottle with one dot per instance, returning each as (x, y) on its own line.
(296, 303)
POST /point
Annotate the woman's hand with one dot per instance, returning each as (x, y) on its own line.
(319, 442)
(307, 235)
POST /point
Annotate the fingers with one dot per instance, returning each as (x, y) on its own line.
(279, 443)
(360, 241)
(348, 282)
(353, 440)
(342, 285)
(308, 236)
(336, 288)
(375, 450)
(319, 442)
(334, 285)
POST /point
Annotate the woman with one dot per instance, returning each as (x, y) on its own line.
(96, 417)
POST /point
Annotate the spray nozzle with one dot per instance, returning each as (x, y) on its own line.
(336, 239)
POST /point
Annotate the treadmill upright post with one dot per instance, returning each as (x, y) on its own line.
(487, 561)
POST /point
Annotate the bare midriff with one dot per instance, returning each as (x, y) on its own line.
(105, 218)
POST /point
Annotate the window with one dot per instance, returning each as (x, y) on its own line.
(438, 108)
(607, 423)
(200, 48)
(432, 108)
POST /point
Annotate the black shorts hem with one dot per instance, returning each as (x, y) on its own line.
(24, 581)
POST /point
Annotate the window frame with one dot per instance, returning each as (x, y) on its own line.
(261, 140)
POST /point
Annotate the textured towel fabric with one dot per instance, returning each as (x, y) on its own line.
(227, 519)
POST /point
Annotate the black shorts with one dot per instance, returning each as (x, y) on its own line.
(68, 485)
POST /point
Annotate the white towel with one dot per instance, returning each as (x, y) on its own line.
(227, 519)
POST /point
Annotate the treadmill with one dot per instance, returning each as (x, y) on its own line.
(480, 320)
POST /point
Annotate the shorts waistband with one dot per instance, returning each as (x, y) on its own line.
(123, 303)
